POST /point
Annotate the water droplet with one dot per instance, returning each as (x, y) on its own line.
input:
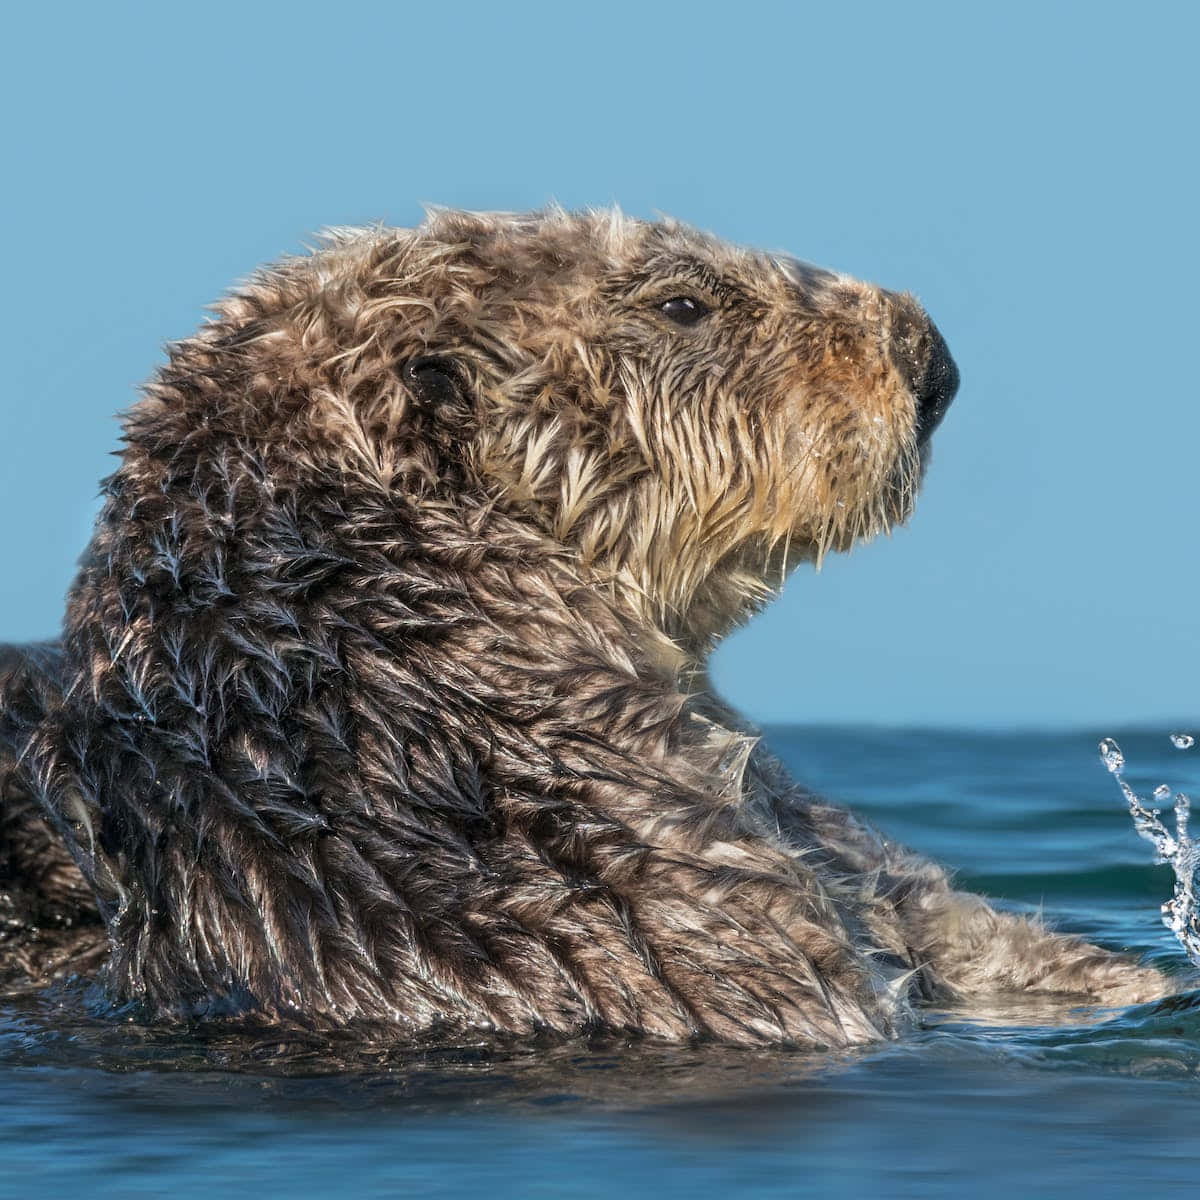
(1182, 741)
(1183, 812)
(1111, 756)
(1180, 914)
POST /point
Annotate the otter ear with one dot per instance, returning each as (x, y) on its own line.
(437, 383)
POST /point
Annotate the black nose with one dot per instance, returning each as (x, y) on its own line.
(923, 359)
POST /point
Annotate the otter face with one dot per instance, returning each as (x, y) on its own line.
(685, 415)
(684, 418)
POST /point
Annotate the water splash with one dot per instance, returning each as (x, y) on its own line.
(1180, 914)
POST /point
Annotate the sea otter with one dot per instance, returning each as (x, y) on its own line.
(381, 692)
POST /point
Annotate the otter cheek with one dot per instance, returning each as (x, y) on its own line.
(801, 478)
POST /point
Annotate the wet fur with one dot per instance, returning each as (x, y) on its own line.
(381, 689)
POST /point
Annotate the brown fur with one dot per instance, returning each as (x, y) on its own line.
(381, 694)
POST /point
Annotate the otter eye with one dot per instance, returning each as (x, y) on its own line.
(683, 310)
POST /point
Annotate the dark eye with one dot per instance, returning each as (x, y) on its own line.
(683, 310)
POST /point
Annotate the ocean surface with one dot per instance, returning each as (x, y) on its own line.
(1056, 1103)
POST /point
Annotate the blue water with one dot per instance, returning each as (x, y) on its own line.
(1095, 1103)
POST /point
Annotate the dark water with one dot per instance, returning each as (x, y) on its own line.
(1099, 1104)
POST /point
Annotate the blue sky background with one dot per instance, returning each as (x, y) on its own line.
(1030, 171)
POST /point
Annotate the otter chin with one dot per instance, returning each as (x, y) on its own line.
(381, 696)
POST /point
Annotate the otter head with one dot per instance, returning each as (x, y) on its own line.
(686, 417)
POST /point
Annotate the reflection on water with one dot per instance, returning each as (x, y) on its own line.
(64, 1029)
(1019, 1093)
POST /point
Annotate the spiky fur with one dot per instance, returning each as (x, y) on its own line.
(373, 704)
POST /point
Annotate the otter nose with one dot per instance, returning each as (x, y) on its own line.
(923, 359)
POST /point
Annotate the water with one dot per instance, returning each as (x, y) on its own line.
(1097, 1104)
(1179, 914)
